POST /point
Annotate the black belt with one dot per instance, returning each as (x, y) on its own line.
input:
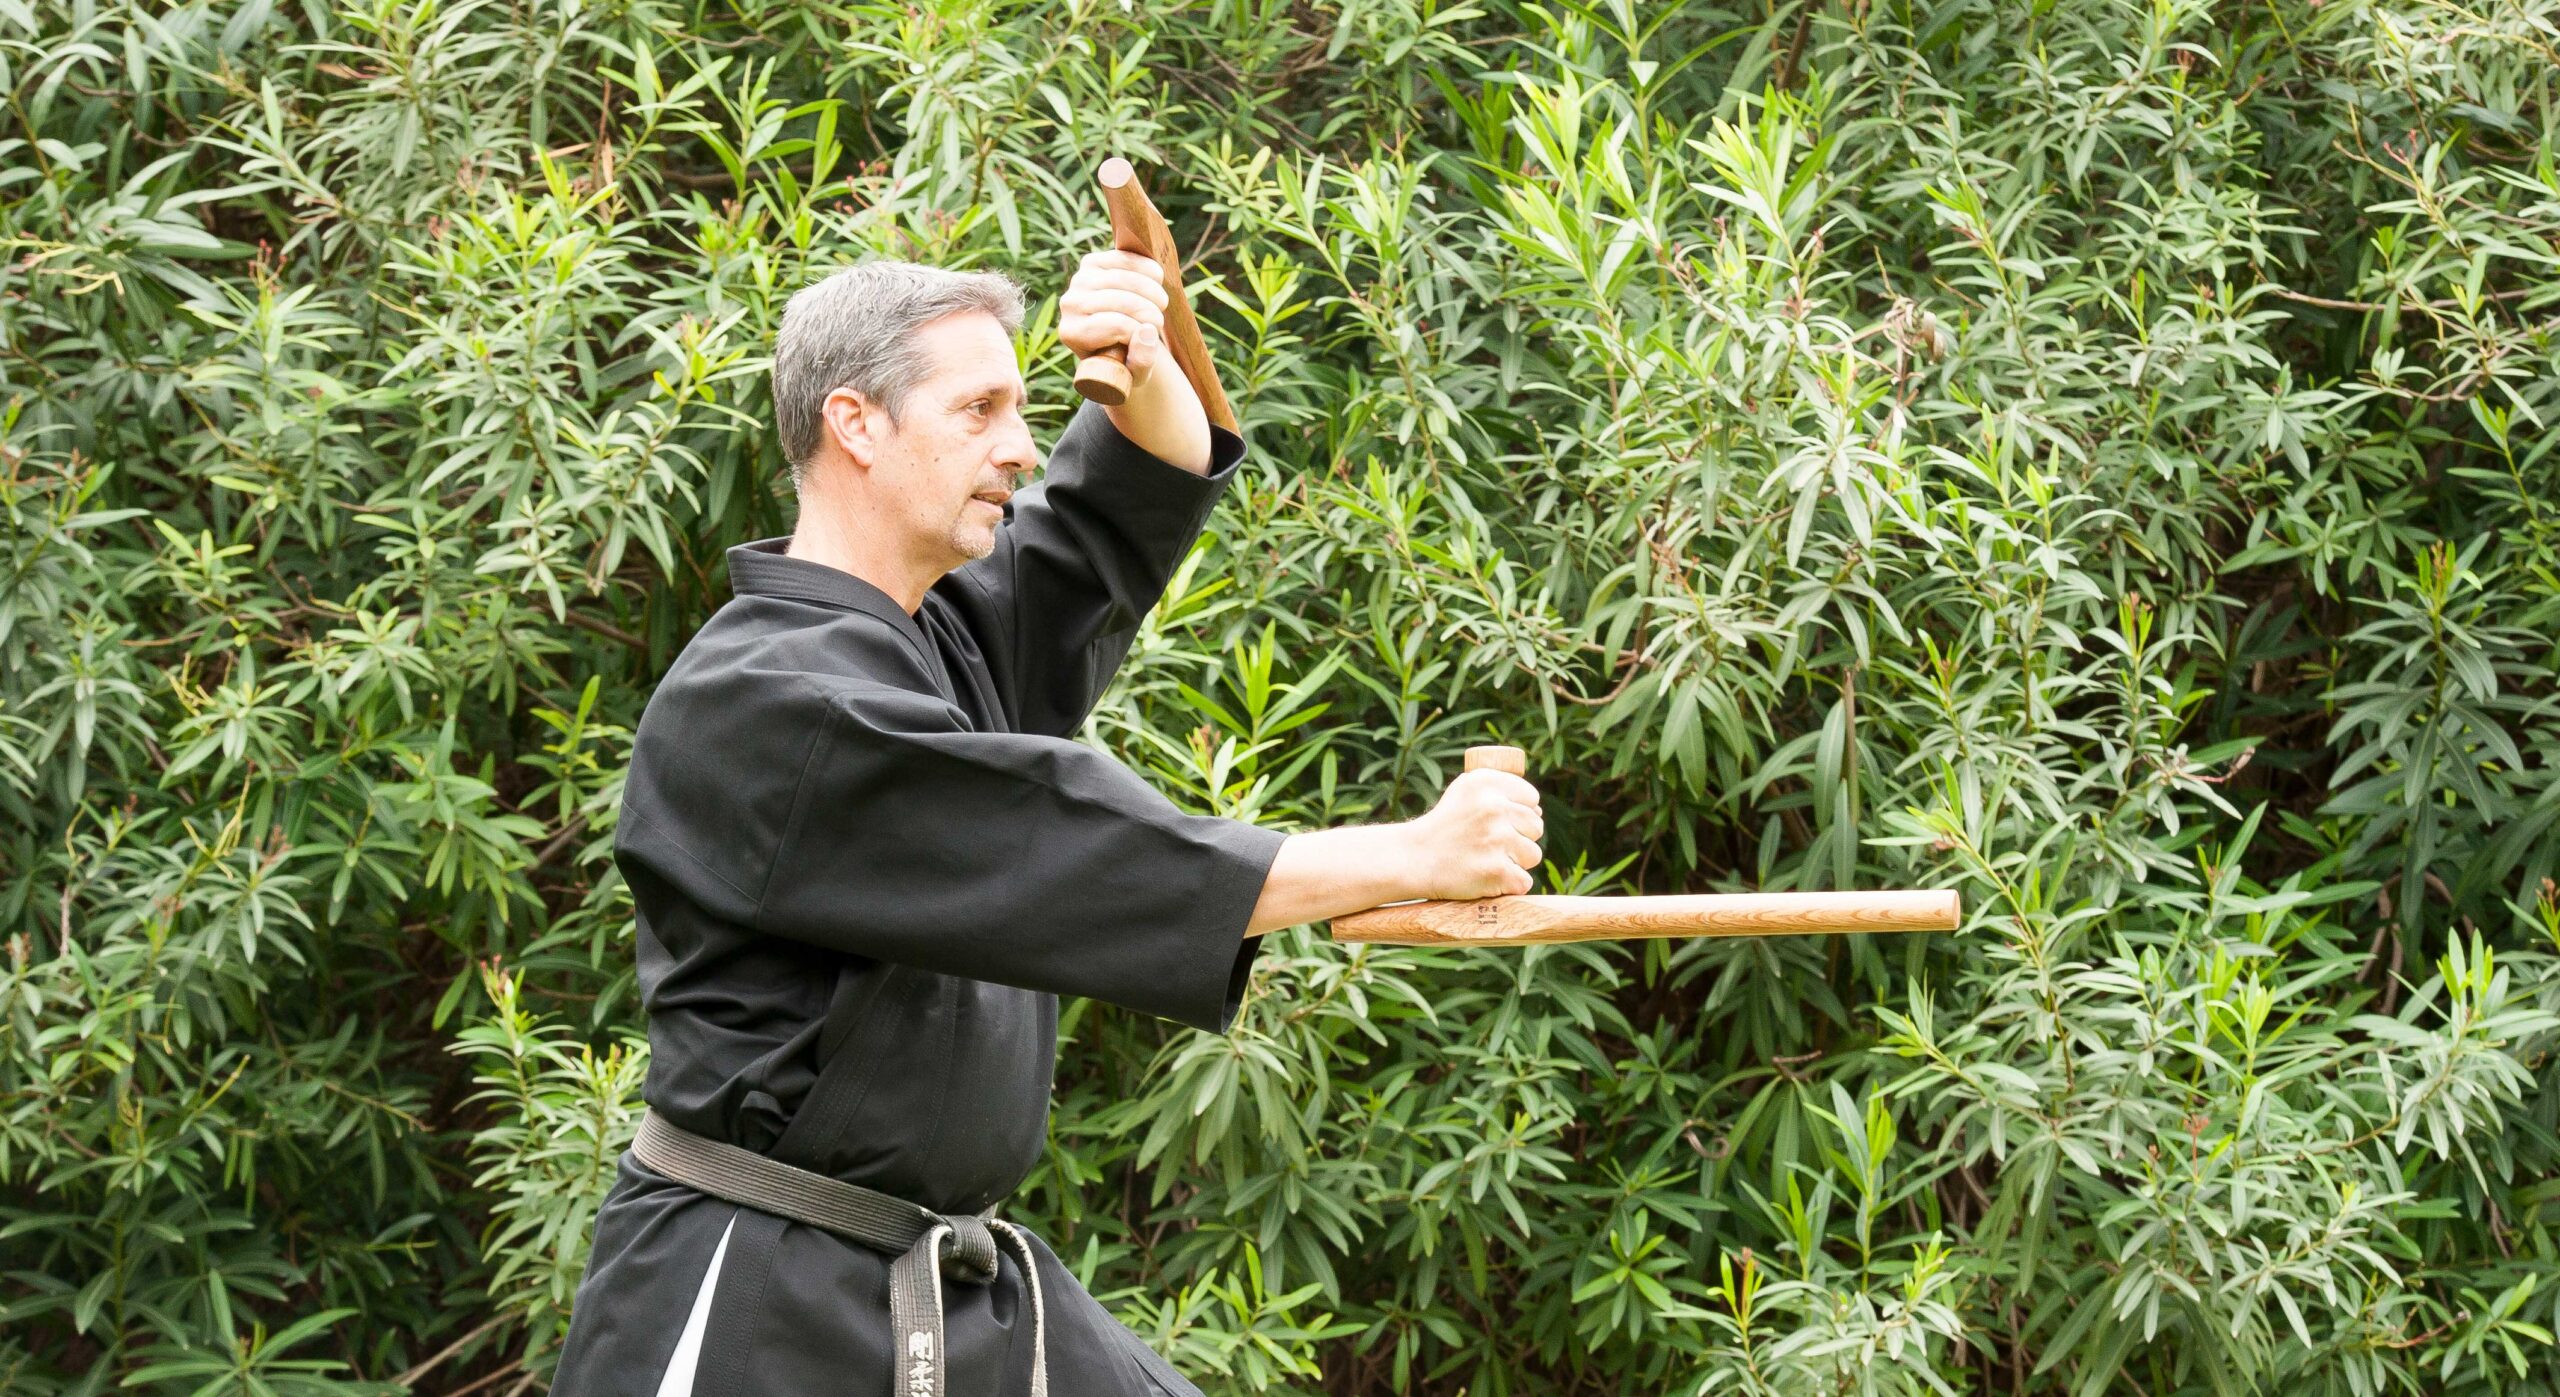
(929, 1246)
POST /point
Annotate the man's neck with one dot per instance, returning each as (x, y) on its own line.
(830, 532)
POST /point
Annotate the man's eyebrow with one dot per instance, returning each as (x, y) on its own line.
(998, 389)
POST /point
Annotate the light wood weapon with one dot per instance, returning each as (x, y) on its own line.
(1534, 918)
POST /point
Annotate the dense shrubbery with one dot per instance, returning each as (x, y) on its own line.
(2096, 455)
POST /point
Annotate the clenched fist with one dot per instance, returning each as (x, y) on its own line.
(1481, 840)
(1115, 299)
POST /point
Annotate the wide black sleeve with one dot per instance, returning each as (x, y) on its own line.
(1017, 858)
(1082, 559)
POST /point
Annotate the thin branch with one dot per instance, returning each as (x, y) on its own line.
(410, 1378)
(606, 629)
(2334, 304)
(560, 841)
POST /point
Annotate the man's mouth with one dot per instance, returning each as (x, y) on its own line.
(993, 497)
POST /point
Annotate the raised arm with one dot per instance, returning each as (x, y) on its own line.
(1086, 552)
(1084, 556)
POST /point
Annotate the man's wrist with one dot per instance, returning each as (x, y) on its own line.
(1400, 858)
(1163, 417)
(1329, 873)
(1391, 864)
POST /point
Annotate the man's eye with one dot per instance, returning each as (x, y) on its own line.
(979, 407)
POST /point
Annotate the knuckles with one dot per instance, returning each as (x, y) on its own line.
(1485, 817)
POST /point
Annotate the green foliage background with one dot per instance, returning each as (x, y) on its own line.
(2092, 454)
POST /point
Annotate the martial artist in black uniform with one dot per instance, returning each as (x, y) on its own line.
(867, 857)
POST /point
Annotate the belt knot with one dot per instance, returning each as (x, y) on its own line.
(971, 1254)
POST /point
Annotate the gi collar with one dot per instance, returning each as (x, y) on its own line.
(761, 568)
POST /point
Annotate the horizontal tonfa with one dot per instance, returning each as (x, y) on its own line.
(1550, 918)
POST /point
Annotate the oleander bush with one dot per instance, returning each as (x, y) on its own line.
(2095, 455)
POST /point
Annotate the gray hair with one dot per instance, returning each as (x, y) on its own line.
(856, 329)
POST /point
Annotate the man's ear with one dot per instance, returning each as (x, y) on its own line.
(856, 424)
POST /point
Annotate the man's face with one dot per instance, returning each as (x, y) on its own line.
(958, 445)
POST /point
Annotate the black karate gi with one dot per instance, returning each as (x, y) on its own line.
(849, 830)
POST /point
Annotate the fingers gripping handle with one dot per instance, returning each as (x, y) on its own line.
(1498, 758)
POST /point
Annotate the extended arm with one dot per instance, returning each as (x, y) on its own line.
(1479, 841)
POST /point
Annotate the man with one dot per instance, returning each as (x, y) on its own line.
(867, 857)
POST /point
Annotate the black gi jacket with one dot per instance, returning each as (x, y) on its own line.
(848, 829)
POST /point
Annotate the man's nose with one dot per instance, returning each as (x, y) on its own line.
(1018, 455)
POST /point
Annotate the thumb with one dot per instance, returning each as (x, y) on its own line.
(1146, 349)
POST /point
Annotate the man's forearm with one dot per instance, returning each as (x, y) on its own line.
(1327, 873)
(1163, 417)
